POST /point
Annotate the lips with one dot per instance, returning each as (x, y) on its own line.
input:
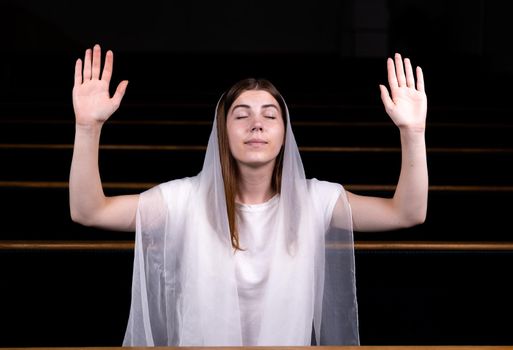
(255, 142)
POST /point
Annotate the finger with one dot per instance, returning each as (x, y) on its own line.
(97, 59)
(410, 79)
(107, 68)
(87, 65)
(401, 80)
(392, 79)
(120, 92)
(385, 97)
(78, 72)
(420, 80)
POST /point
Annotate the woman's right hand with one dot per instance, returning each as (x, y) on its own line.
(91, 99)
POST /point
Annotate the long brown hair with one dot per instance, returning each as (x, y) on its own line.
(228, 163)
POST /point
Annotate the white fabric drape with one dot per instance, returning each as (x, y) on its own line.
(184, 290)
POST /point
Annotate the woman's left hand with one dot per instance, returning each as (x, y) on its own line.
(407, 102)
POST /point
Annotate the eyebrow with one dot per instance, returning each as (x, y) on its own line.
(263, 106)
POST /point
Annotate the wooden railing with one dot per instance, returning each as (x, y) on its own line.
(359, 245)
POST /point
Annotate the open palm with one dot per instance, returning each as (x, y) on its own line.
(91, 99)
(407, 102)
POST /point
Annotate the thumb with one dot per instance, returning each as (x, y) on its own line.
(385, 97)
(120, 92)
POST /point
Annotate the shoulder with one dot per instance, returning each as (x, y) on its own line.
(176, 189)
(324, 196)
(162, 200)
(169, 194)
(323, 189)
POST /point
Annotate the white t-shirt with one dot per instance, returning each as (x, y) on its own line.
(169, 303)
(252, 265)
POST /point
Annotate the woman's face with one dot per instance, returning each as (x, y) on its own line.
(255, 128)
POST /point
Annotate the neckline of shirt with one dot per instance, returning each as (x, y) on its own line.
(259, 206)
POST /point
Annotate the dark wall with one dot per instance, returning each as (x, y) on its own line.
(463, 46)
(348, 27)
(457, 42)
(171, 26)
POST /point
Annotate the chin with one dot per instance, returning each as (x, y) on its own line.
(256, 162)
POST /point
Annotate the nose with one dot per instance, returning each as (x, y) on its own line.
(257, 126)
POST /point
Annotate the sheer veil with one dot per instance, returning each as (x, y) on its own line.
(184, 290)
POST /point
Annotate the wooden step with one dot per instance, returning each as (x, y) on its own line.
(144, 163)
(40, 211)
(312, 132)
(358, 245)
(404, 297)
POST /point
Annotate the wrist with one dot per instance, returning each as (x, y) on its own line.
(419, 129)
(413, 136)
(89, 128)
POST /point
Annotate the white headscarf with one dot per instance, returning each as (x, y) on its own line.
(184, 290)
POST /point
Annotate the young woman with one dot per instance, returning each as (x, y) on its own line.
(249, 251)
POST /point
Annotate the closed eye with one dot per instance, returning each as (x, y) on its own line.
(270, 116)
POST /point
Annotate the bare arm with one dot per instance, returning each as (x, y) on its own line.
(93, 106)
(407, 107)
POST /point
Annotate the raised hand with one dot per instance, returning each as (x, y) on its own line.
(407, 102)
(91, 99)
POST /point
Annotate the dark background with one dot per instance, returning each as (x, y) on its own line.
(304, 46)
(327, 58)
